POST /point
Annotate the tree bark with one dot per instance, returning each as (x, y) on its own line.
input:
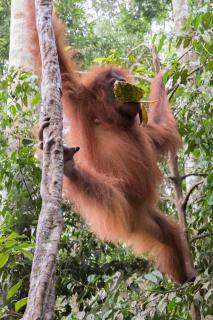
(18, 57)
(180, 13)
(41, 297)
(181, 209)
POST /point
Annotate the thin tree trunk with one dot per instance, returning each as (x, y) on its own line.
(181, 209)
(180, 16)
(177, 181)
(41, 297)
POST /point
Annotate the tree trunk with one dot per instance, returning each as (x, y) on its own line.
(180, 13)
(41, 297)
(19, 57)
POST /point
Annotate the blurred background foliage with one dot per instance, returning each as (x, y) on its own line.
(96, 280)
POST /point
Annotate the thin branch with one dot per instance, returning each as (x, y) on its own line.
(201, 236)
(166, 198)
(137, 47)
(194, 174)
(193, 71)
(164, 293)
(190, 48)
(173, 90)
(142, 77)
(186, 199)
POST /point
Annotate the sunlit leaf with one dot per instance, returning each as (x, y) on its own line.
(3, 259)
(20, 304)
(13, 290)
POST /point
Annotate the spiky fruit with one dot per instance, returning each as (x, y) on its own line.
(127, 92)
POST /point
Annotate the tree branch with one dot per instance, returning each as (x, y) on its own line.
(143, 77)
(137, 47)
(194, 174)
(173, 90)
(186, 199)
(201, 236)
(166, 198)
(189, 49)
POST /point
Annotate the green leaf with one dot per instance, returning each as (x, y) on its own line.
(179, 41)
(154, 38)
(158, 274)
(162, 40)
(13, 290)
(196, 22)
(2, 239)
(14, 234)
(13, 110)
(132, 57)
(3, 259)
(35, 100)
(20, 304)
(23, 76)
(27, 255)
(187, 41)
(26, 142)
(184, 75)
(25, 100)
(151, 277)
(209, 65)
(210, 179)
(210, 200)
(10, 243)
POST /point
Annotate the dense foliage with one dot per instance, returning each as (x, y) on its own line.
(96, 280)
(4, 32)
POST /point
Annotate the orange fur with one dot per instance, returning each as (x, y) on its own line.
(115, 180)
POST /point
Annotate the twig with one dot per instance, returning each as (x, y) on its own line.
(186, 199)
(137, 47)
(194, 174)
(164, 293)
(166, 198)
(190, 48)
(201, 236)
(143, 78)
(193, 71)
(173, 90)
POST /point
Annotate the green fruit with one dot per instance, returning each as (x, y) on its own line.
(127, 92)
